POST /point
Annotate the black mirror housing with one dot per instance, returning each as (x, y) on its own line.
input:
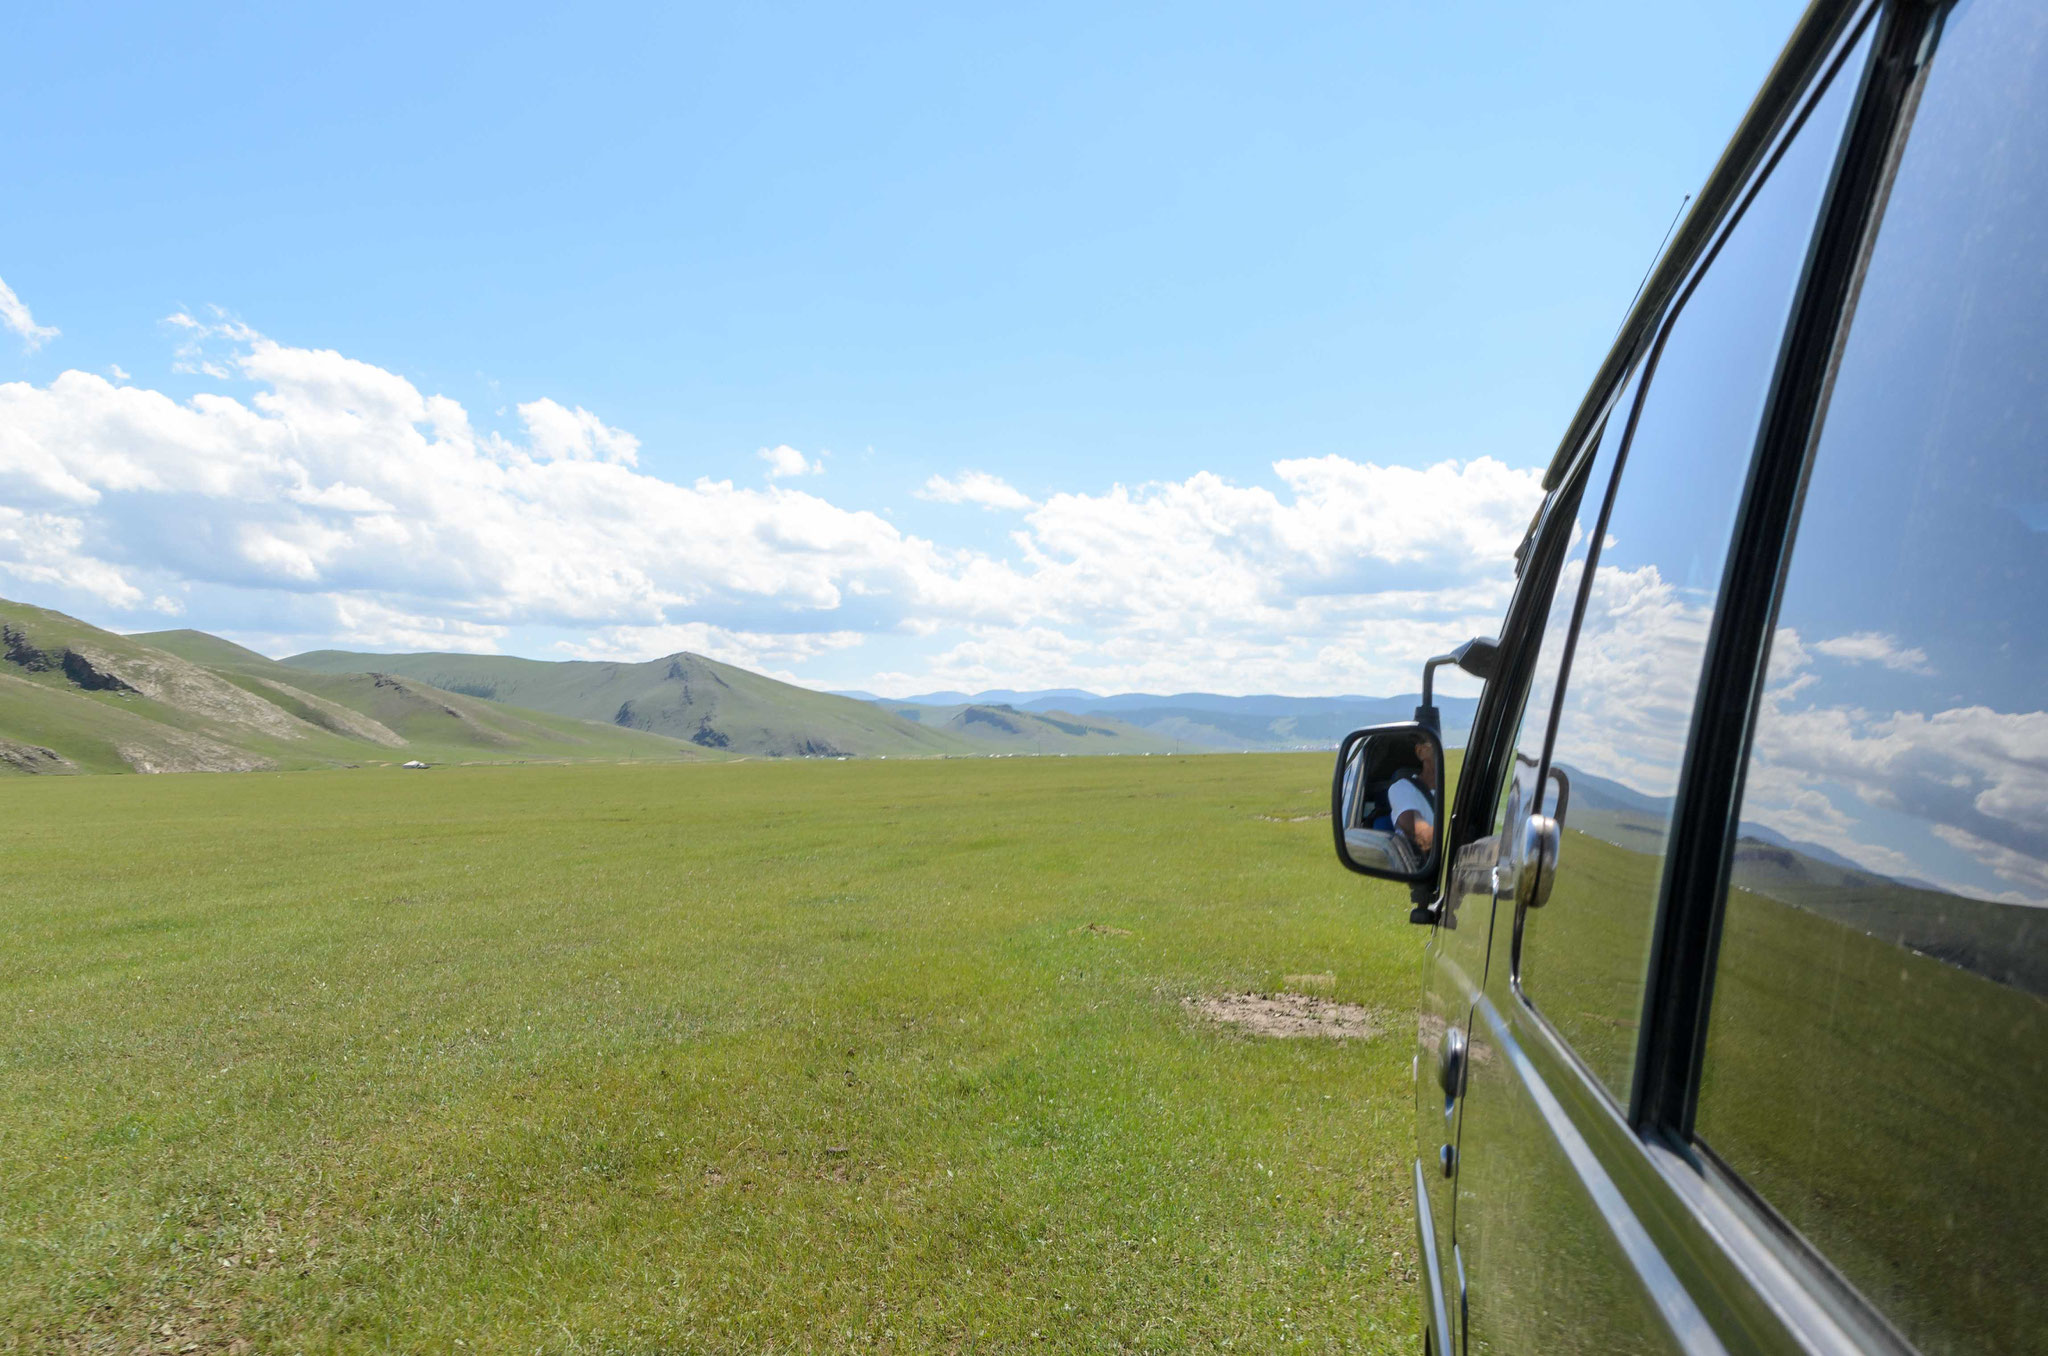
(1387, 801)
(1479, 656)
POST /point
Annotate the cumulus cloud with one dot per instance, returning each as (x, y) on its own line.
(14, 315)
(1634, 672)
(785, 461)
(191, 355)
(1975, 778)
(975, 487)
(576, 435)
(342, 478)
(48, 549)
(1887, 788)
(349, 507)
(1875, 647)
(365, 621)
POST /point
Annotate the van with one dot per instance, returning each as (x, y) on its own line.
(1734, 1028)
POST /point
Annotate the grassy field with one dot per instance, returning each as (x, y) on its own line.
(799, 1056)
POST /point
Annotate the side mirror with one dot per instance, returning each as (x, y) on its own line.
(1387, 801)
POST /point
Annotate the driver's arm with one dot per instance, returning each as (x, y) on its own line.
(1419, 831)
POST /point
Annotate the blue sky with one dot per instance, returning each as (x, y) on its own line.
(1317, 286)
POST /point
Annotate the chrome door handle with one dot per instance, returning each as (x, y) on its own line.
(1450, 1063)
(1536, 863)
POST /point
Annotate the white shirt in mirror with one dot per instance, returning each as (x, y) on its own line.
(1404, 796)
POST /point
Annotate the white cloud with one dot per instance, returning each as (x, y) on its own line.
(1976, 778)
(117, 372)
(784, 461)
(191, 355)
(363, 621)
(576, 435)
(341, 479)
(1634, 673)
(14, 315)
(346, 506)
(1972, 778)
(47, 549)
(975, 487)
(1875, 647)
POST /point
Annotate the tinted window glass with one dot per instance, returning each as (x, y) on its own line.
(1628, 692)
(1877, 1057)
(1519, 789)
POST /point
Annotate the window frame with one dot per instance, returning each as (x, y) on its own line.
(1703, 832)
(1721, 740)
(1788, 1271)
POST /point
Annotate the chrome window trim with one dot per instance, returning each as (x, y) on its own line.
(1588, 1133)
(1753, 1290)
(1434, 1312)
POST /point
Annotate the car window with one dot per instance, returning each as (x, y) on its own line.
(1628, 689)
(1877, 1057)
(1587, 499)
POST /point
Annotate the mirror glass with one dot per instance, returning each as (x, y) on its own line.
(1386, 801)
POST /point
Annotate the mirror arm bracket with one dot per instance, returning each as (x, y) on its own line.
(1479, 656)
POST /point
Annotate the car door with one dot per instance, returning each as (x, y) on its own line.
(1553, 1256)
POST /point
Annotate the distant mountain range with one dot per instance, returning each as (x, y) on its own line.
(708, 705)
(1205, 720)
(718, 707)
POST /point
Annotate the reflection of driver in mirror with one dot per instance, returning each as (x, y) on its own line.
(1411, 800)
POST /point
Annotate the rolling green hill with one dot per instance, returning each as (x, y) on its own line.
(1002, 728)
(685, 696)
(74, 698)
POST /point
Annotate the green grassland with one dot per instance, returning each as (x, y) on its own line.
(747, 1056)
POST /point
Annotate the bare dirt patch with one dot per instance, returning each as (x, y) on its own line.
(1104, 930)
(1287, 1015)
(187, 687)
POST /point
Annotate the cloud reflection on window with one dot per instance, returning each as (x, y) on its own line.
(1952, 797)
